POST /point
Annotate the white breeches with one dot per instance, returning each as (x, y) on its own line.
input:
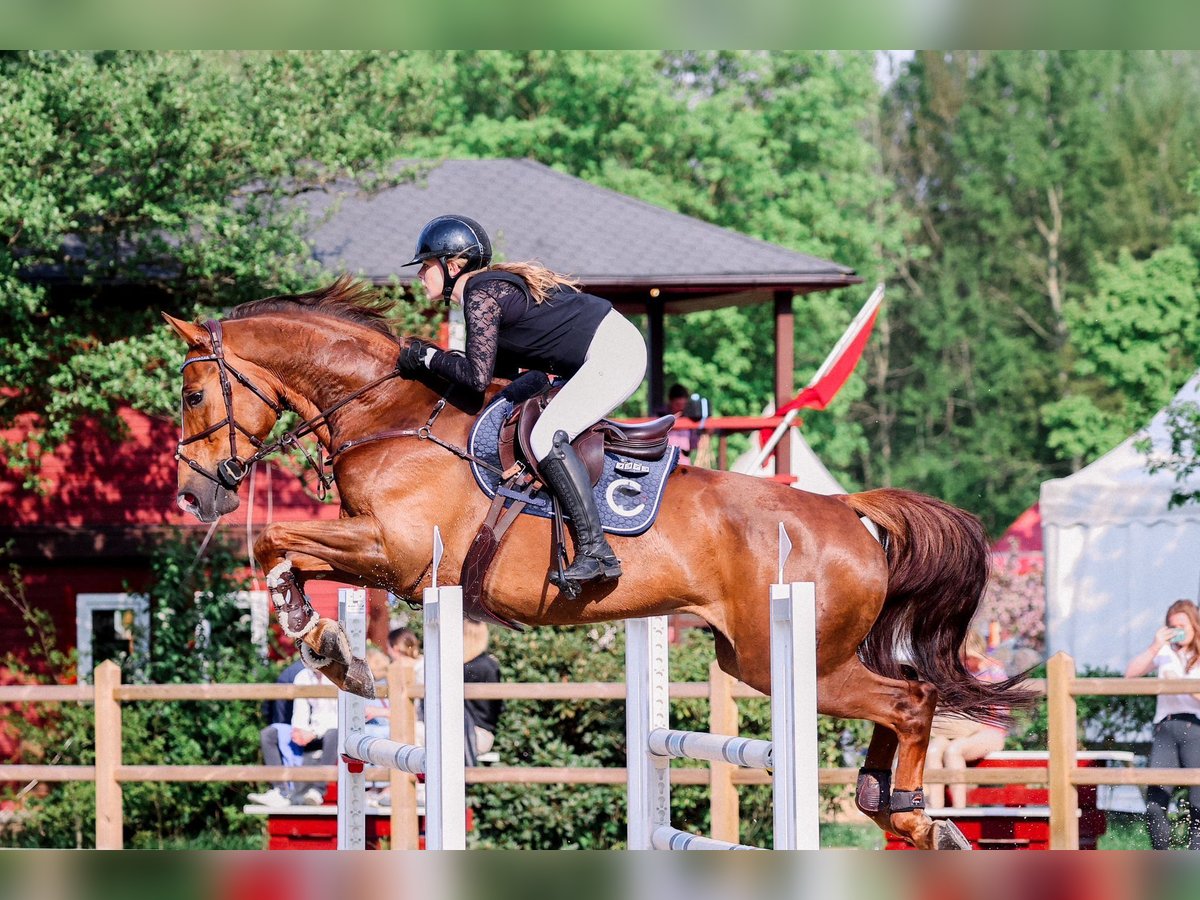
(614, 367)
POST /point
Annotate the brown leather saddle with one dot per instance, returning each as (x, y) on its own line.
(645, 440)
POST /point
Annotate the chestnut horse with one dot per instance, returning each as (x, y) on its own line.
(890, 617)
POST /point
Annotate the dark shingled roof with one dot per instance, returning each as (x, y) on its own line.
(614, 244)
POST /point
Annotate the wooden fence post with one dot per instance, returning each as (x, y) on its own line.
(723, 719)
(109, 815)
(1063, 745)
(402, 787)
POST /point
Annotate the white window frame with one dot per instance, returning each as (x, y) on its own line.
(87, 605)
(257, 603)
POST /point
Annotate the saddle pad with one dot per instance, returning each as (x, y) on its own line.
(628, 494)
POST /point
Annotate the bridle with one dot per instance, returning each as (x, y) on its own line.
(231, 471)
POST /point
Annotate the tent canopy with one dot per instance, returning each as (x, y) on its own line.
(1116, 555)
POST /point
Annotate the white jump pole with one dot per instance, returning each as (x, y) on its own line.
(352, 786)
(445, 766)
(647, 709)
(442, 759)
(791, 753)
(794, 709)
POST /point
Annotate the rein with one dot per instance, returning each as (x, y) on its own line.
(231, 471)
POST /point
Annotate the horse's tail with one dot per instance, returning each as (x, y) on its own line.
(938, 560)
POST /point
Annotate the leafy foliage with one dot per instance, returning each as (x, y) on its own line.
(199, 635)
(592, 733)
(165, 181)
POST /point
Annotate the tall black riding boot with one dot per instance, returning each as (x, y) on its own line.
(567, 476)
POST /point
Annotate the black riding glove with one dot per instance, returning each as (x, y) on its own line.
(415, 357)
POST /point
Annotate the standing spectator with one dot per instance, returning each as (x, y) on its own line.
(480, 667)
(678, 400)
(1174, 653)
(955, 741)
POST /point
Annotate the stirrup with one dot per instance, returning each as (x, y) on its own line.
(583, 570)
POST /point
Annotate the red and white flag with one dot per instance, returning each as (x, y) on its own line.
(836, 369)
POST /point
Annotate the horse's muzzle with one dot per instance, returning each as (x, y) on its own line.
(206, 500)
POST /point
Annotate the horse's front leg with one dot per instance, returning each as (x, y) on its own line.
(291, 553)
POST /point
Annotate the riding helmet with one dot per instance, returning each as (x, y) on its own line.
(452, 236)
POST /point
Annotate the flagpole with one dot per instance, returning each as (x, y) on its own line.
(769, 447)
(863, 318)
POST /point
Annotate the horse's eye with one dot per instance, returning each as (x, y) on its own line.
(195, 398)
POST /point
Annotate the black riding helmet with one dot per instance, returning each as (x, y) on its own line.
(451, 237)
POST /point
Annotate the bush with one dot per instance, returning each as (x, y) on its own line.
(197, 636)
(592, 733)
(1105, 723)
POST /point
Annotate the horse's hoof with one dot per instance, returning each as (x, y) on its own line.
(358, 680)
(353, 679)
(331, 641)
(946, 836)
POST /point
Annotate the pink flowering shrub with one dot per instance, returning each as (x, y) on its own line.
(1015, 598)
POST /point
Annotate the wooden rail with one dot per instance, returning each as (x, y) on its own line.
(1062, 775)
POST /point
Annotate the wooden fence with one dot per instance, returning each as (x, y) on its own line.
(109, 771)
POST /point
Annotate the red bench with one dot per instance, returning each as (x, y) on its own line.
(1017, 816)
(315, 827)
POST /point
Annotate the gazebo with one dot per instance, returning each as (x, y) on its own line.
(647, 260)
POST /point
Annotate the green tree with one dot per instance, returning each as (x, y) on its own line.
(198, 635)
(147, 181)
(1018, 165)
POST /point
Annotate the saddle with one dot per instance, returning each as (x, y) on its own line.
(646, 440)
(529, 395)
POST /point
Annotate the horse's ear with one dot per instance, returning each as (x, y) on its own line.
(193, 335)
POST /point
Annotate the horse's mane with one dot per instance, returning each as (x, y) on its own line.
(347, 298)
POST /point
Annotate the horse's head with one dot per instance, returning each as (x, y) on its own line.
(225, 417)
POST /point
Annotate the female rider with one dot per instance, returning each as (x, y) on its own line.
(523, 316)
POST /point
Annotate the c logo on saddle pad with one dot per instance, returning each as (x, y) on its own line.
(628, 486)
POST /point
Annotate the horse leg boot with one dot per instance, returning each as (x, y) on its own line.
(567, 476)
(323, 642)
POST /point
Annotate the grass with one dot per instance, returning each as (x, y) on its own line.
(848, 836)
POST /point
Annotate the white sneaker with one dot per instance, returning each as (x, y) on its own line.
(271, 798)
(310, 797)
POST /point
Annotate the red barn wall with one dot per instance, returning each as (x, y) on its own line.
(102, 498)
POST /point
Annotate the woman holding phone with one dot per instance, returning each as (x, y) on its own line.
(1174, 653)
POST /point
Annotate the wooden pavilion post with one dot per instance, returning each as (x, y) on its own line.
(785, 365)
(1063, 745)
(655, 337)
(109, 814)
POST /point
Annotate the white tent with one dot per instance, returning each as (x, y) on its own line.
(1116, 556)
(811, 474)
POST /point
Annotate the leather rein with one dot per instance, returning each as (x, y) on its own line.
(231, 471)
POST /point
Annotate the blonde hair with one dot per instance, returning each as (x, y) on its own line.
(1189, 609)
(475, 639)
(540, 280)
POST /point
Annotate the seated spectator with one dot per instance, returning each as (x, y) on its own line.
(280, 711)
(680, 405)
(481, 716)
(378, 712)
(313, 728)
(954, 740)
(403, 642)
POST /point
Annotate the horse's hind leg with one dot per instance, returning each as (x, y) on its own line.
(902, 712)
